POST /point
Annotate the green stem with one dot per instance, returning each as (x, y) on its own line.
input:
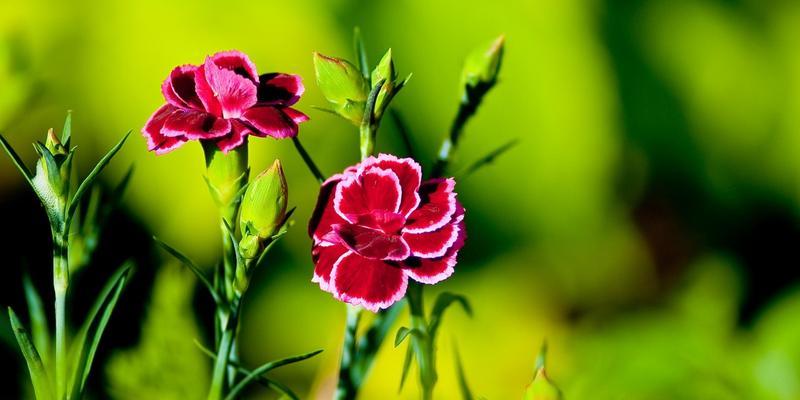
(307, 159)
(466, 108)
(218, 381)
(60, 286)
(422, 343)
(367, 133)
(348, 387)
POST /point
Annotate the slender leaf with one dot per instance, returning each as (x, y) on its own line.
(17, 161)
(490, 157)
(101, 326)
(92, 329)
(466, 394)
(41, 337)
(89, 180)
(402, 333)
(324, 109)
(264, 369)
(263, 380)
(443, 301)
(66, 133)
(406, 366)
(194, 268)
(41, 383)
(361, 52)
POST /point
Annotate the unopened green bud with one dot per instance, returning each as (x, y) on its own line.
(249, 246)
(54, 144)
(483, 64)
(342, 85)
(264, 203)
(541, 388)
(384, 71)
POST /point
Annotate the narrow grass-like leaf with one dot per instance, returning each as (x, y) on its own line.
(101, 326)
(443, 301)
(324, 109)
(263, 380)
(466, 394)
(66, 133)
(406, 366)
(41, 337)
(41, 383)
(490, 157)
(89, 180)
(403, 333)
(194, 268)
(93, 328)
(17, 161)
(361, 52)
(266, 368)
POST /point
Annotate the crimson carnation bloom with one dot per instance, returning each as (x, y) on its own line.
(377, 224)
(224, 100)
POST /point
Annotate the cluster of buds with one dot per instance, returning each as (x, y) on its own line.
(347, 88)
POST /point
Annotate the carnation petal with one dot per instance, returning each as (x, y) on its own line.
(179, 88)
(367, 191)
(432, 244)
(195, 125)
(279, 89)
(370, 243)
(408, 172)
(237, 62)
(237, 136)
(437, 206)
(324, 214)
(431, 270)
(234, 92)
(373, 284)
(157, 142)
(295, 115)
(270, 121)
(324, 257)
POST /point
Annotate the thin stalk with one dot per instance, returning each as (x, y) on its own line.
(218, 381)
(348, 387)
(422, 344)
(367, 132)
(60, 286)
(307, 159)
(466, 109)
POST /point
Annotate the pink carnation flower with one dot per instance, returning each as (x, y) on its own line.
(377, 224)
(224, 100)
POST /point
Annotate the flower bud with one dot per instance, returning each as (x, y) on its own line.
(384, 71)
(342, 85)
(51, 178)
(54, 144)
(264, 203)
(541, 388)
(483, 64)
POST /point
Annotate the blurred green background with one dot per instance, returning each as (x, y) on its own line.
(646, 225)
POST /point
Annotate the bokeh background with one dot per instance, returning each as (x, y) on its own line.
(646, 225)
